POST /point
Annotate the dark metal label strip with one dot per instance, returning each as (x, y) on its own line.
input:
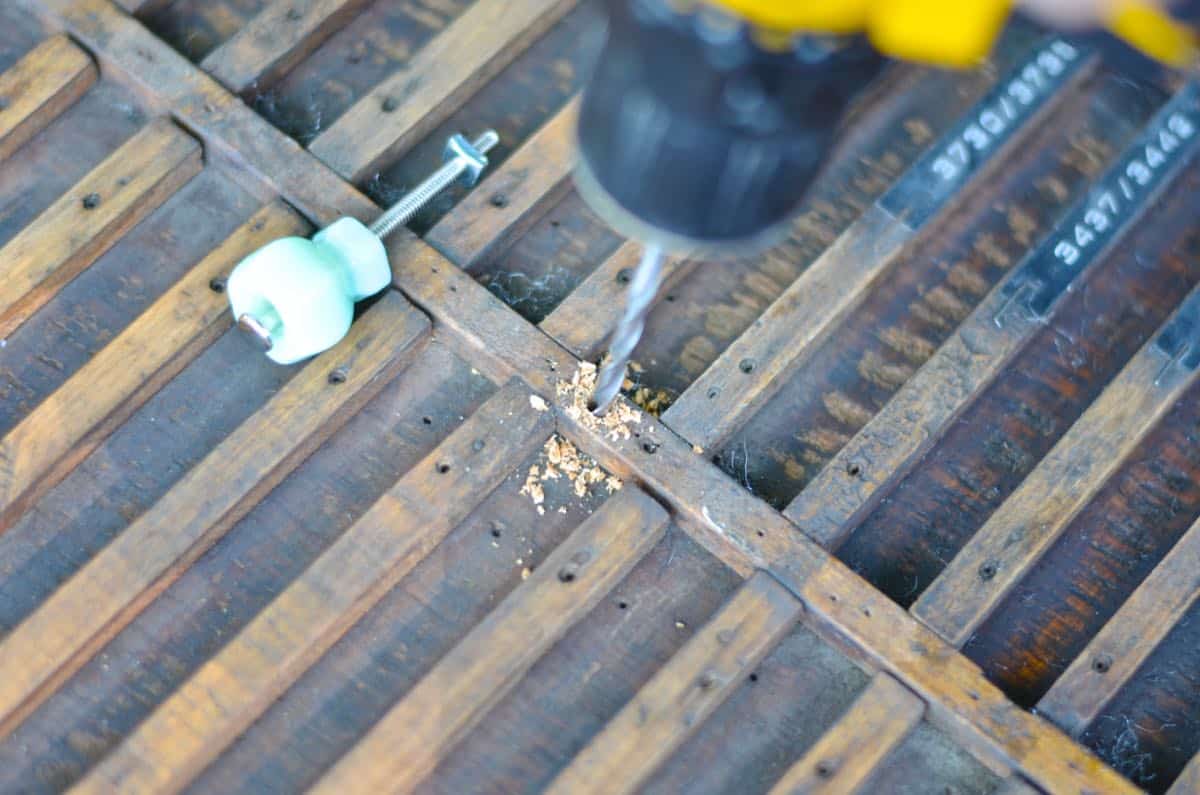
(962, 151)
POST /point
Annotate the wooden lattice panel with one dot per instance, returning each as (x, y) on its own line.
(927, 466)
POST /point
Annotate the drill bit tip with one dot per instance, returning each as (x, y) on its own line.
(642, 289)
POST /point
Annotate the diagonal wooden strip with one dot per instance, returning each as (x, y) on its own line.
(107, 593)
(959, 699)
(434, 84)
(1188, 782)
(849, 752)
(1015, 786)
(910, 424)
(1014, 538)
(1119, 649)
(583, 320)
(275, 40)
(751, 369)
(67, 426)
(93, 215)
(407, 743)
(229, 129)
(228, 692)
(673, 704)
(40, 86)
(511, 198)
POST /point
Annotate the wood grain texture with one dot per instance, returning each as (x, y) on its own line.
(846, 756)
(406, 744)
(231, 689)
(107, 593)
(67, 426)
(1002, 551)
(668, 709)
(230, 131)
(93, 215)
(431, 86)
(743, 377)
(1127, 640)
(278, 37)
(882, 452)
(1188, 782)
(35, 90)
(512, 197)
(584, 319)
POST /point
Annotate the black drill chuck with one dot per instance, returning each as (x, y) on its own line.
(696, 136)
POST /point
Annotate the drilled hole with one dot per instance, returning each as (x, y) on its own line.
(623, 605)
(217, 285)
(566, 575)
(987, 571)
(853, 470)
(389, 104)
(712, 393)
(338, 376)
(825, 768)
(495, 532)
(746, 365)
(91, 201)
(650, 447)
(753, 677)
(443, 468)
(1102, 664)
(499, 200)
(624, 275)
(427, 420)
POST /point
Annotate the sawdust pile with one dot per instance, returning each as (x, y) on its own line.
(561, 459)
(578, 391)
(652, 401)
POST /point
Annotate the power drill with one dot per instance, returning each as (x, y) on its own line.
(705, 121)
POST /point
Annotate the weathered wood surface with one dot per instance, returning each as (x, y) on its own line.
(423, 728)
(58, 637)
(1118, 650)
(81, 225)
(39, 87)
(352, 670)
(849, 753)
(102, 394)
(670, 707)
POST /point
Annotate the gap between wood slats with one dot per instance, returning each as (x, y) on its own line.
(335, 591)
(884, 451)
(672, 705)
(749, 371)
(107, 593)
(275, 40)
(39, 87)
(74, 231)
(1014, 538)
(406, 744)
(511, 198)
(1126, 641)
(439, 78)
(101, 395)
(849, 752)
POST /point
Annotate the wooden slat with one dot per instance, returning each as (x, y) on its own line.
(108, 592)
(1188, 782)
(843, 760)
(275, 40)
(406, 744)
(911, 423)
(582, 322)
(754, 366)
(102, 394)
(1014, 538)
(228, 128)
(230, 690)
(673, 704)
(39, 87)
(1120, 648)
(434, 84)
(512, 197)
(93, 215)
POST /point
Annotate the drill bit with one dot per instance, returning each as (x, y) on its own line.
(642, 289)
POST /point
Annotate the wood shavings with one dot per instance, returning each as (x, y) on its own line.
(537, 403)
(561, 459)
(575, 395)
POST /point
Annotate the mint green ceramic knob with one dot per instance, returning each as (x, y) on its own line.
(296, 296)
